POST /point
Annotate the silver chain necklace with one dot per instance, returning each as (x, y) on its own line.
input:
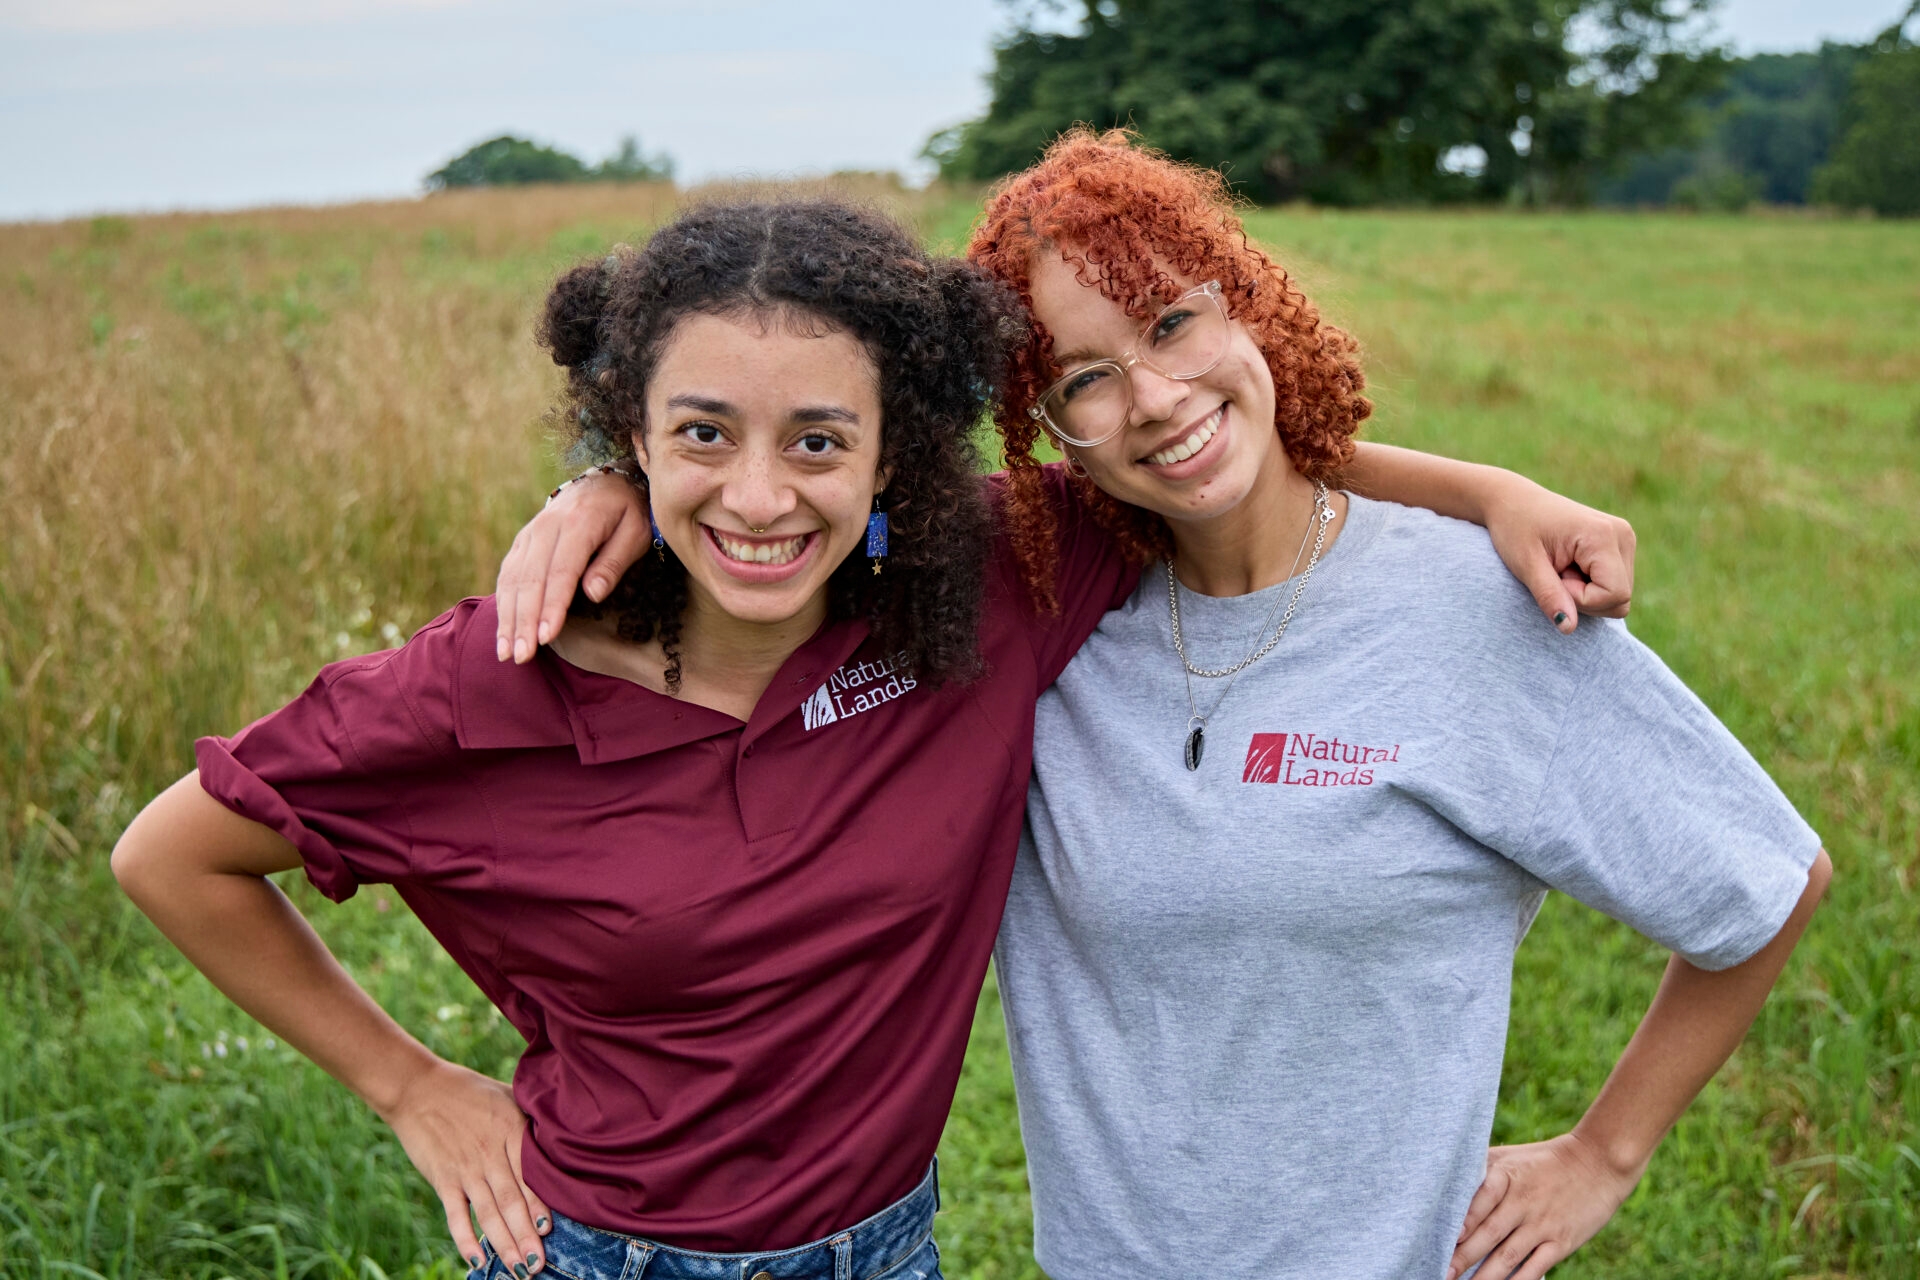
(1196, 723)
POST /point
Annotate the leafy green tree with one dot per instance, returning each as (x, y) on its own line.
(507, 161)
(1347, 101)
(1761, 135)
(630, 164)
(1877, 164)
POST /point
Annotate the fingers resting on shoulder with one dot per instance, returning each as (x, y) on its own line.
(587, 537)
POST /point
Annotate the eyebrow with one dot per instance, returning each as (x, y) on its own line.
(1079, 355)
(806, 413)
(703, 404)
(826, 413)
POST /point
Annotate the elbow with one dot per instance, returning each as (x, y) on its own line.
(131, 861)
(139, 854)
(1819, 876)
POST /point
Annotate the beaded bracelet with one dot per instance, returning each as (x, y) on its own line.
(626, 468)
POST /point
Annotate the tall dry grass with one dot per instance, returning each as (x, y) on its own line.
(237, 446)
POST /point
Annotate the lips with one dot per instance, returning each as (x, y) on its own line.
(777, 551)
(1190, 444)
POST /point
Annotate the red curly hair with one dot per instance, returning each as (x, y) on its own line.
(1117, 209)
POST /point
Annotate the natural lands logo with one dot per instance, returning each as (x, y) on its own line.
(856, 687)
(1308, 760)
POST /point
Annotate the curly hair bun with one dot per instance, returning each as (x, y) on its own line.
(576, 308)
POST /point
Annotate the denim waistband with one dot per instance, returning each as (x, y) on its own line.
(576, 1251)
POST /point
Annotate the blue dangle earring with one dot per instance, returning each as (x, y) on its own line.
(659, 543)
(877, 534)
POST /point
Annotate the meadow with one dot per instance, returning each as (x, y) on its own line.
(235, 447)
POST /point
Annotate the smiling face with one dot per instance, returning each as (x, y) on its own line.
(1190, 450)
(762, 453)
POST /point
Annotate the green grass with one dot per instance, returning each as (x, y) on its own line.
(238, 446)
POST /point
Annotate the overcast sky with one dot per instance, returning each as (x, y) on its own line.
(161, 104)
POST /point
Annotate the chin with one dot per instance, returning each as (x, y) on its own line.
(765, 606)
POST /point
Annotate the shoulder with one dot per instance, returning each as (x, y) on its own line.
(446, 686)
(1463, 607)
(1445, 567)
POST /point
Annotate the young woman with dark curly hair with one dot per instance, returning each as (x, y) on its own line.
(1295, 802)
(743, 951)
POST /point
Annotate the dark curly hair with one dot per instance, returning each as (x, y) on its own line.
(936, 330)
(1119, 210)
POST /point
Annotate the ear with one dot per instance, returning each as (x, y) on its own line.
(881, 479)
(640, 446)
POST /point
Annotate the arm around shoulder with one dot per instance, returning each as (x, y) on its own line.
(1572, 558)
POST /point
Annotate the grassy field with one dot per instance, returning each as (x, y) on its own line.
(236, 447)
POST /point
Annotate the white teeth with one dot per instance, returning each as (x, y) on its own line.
(1192, 444)
(760, 552)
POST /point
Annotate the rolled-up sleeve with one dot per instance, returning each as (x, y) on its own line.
(333, 770)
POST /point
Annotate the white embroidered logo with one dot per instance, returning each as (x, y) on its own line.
(857, 687)
(818, 709)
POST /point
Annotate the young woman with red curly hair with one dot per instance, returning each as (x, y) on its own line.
(1296, 801)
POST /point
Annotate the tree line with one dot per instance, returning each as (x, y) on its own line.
(1530, 101)
(510, 161)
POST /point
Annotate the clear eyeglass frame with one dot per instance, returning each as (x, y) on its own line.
(1123, 364)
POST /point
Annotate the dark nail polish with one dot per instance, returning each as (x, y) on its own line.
(539, 1224)
(520, 1270)
(1560, 619)
(474, 1262)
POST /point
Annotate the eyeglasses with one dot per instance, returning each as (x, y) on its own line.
(1090, 403)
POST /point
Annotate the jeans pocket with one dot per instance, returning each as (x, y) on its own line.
(922, 1264)
(490, 1265)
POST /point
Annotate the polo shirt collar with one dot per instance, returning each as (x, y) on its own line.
(549, 703)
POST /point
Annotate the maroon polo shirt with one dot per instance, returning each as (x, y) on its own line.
(744, 956)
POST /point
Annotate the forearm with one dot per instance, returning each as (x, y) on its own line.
(198, 872)
(1462, 490)
(1696, 1021)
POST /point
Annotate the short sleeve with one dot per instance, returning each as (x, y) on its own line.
(1651, 811)
(1091, 576)
(332, 771)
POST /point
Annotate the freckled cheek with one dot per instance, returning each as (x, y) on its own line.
(842, 502)
(678, 496)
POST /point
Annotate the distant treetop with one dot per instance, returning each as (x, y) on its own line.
(1351, 101)
(508, 161)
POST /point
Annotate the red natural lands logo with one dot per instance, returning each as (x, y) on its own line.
(1307, 760)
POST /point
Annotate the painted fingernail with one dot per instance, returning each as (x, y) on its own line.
(1560, 619)
(474, 1262)
(533, 1263)
(520, 1270)
(539, 1224)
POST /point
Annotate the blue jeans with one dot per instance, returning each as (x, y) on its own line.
(894, 1244)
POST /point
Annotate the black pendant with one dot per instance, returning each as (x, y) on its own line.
(1196, 745)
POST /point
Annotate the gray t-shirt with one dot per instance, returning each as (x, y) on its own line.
(1257, 1011)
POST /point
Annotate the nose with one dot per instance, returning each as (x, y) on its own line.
(757, 491)
(1156, 397)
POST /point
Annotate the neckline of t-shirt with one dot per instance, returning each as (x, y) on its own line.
(1364, 517)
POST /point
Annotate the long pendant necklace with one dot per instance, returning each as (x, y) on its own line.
(1196, 742)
